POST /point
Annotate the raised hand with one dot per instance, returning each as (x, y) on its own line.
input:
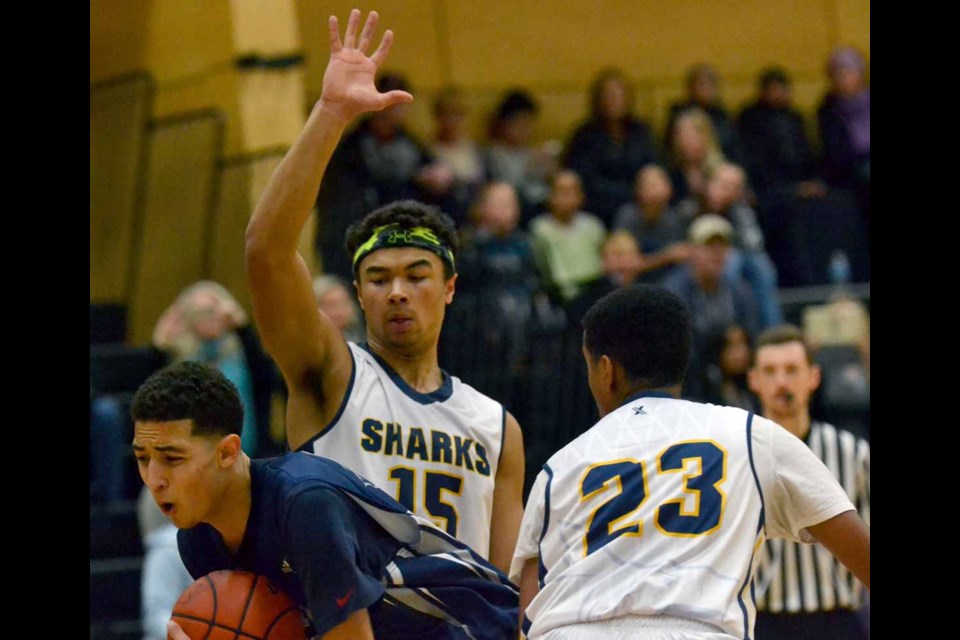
(348, 84)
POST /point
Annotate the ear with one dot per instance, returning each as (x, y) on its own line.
(451, 287)
(228, 450)
(607, 371)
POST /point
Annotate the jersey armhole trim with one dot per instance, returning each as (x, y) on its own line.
(542, 568)
(753, 469)
(308, 445)
(503, 435)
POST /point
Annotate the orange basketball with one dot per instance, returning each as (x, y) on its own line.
(225, 605)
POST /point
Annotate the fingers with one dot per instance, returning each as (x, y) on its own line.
(335, 44)
(175, 632)
(367, 34)
(391, 98)
(381, 53)
(350, 39)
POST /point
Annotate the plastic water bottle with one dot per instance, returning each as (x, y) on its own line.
(839, 269)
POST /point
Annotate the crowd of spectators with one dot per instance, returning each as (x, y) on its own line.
(536, 221)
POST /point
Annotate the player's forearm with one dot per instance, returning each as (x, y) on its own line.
(286, 202)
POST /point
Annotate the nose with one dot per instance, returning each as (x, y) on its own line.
(155, 478)
(397, 291)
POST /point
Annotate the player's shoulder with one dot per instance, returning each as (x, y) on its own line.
(467, 393)
(292, 472)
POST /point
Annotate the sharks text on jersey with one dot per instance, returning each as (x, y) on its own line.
(429, 445)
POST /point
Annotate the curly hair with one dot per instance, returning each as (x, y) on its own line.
(644, 328)
(190, 391)
(408, 214)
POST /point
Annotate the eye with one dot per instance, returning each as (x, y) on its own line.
(142, 460)
(173, 459)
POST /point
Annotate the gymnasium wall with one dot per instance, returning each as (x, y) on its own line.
(189, 50)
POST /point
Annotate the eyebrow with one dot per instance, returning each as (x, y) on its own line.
(161, 448)
(422, 262)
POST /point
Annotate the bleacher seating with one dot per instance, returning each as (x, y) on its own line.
(116, 560)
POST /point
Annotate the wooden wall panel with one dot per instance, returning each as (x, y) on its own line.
(227, 231)
(118, 37)
(119, 112)
(181, 185)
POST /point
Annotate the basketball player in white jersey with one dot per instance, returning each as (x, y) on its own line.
(384, 409)
(649, 525)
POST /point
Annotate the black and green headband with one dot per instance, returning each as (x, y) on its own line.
(391, 236)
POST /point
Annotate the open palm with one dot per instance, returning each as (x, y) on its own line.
(348, 84)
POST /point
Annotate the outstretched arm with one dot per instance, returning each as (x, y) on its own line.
(848, 539)
(304, 343)
(507, 497)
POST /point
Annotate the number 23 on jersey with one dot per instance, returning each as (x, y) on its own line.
(696, 511)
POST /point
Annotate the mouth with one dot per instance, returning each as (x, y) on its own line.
(166, 508)
(400, 323)
(786, 397)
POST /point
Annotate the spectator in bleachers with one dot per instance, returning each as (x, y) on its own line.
(715, 301)
(777, 151)
(748, 260)
(498, 277)
(723, 377)
(844, 121)
(567, 240)
(454, 148)
(622, 259)
(206, 324)
(607, 150)
(694, 154)
(513, 158)
(784, 175)
(336, 298)
(110, 434)
(622, 266)
(703, 92)
(378, 162)
(659, 229)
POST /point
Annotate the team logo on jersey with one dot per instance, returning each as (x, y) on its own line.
(638, 411)
(285, 567)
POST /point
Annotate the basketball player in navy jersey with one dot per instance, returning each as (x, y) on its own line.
(384, 409)
(358, 562)
(650, 524)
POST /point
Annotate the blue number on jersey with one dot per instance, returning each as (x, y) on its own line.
(434, 484)
(619, 514)
(702, 486)
(610, 520)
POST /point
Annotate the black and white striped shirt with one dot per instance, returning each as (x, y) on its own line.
(794, 578)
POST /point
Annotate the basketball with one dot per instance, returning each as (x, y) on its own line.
(224, 605)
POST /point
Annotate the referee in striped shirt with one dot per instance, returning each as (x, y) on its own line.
(801, 591)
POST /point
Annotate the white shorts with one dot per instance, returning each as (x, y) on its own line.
(631, 627)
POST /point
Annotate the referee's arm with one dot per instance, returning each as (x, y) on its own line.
(848, 539)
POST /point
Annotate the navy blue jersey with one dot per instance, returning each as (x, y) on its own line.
(337, 544)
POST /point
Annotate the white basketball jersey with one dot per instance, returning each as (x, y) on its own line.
(436, 453)
(660, 509)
